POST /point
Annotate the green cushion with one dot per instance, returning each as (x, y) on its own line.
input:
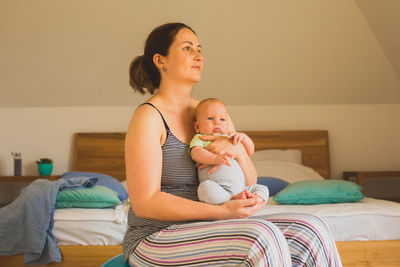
(94, 197)
(319, 192)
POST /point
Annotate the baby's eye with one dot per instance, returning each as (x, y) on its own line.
(210, 118)
(222, 119)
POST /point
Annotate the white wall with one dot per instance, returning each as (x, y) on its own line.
(362, 137)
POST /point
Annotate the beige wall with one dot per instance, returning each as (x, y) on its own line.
(76, 53)
(312, 64)
(362, 137)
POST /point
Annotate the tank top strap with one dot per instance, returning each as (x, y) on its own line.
(162, 117)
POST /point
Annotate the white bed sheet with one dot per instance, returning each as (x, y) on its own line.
(90, 226)
(369, 219)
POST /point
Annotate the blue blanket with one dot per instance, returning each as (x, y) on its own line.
(26, 224)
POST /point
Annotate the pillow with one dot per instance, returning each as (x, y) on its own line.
(93, 197)
(275, 185)
(320, 192)
(125, 185)
(288, 155)
(290, 172)
(104, 180)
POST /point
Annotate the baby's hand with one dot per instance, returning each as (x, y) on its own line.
(237, 138)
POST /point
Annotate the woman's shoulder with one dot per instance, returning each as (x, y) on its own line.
(146, 117)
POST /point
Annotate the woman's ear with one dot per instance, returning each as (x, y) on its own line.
(158, 60)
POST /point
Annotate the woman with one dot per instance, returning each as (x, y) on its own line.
(168, 226)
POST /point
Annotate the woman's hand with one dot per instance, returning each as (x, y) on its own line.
(221, 145)
(242, 208)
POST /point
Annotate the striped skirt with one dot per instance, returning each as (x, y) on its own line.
(274, 240)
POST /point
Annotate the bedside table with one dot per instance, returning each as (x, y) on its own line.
(360, 175)
(27, 178)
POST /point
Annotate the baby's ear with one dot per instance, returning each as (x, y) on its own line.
(196, 127)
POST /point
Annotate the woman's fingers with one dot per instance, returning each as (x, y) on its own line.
(201, 166)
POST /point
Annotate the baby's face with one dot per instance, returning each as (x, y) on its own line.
(212, 118)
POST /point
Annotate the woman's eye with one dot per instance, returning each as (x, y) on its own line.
(186, 48)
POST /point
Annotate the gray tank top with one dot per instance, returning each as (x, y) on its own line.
(179, 177)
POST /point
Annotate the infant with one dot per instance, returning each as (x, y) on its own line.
(227, 181)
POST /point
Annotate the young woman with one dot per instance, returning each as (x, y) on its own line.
(168, 226)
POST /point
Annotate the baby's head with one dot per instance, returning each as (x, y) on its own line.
(211, 117)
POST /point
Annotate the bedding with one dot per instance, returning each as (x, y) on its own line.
(91, 226)
(320, 192)
(103, 180)
(95, 197)
(366, 232)
(26, 224)
(348, 221)
(363, 220)
(287, 171)
(275, 185)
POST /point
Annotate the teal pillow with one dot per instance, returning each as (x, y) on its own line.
(320, 192)
(94, 197)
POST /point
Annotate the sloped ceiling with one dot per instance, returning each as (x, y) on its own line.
(384, 18)
(261, 52)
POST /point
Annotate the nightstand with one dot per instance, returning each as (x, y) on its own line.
(360, 175)
(27, 178)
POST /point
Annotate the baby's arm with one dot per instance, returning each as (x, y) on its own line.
(243, 138)
(203, 156)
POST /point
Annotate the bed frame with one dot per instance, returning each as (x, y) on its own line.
(104, 153)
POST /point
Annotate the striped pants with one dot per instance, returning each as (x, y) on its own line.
(274, 240)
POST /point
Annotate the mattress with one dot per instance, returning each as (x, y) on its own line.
(91, 226)
(369, 219)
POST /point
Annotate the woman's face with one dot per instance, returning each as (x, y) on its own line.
(184, 61)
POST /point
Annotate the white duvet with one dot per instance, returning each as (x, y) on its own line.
(369, 219)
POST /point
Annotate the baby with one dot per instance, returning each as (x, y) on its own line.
(211, 118)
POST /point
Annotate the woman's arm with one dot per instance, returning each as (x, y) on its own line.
(221, 145)
(243, 138)
(203, 156)
(143, 156)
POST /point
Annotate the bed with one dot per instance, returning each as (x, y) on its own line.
(104, 153)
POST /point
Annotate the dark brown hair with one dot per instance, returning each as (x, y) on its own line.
(143, 74)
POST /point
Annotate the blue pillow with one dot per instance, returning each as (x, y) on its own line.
(104, 180)
(275, 185)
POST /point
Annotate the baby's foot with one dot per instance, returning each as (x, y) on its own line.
(241, 195)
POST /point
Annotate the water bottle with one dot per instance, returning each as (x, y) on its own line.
(17, 163)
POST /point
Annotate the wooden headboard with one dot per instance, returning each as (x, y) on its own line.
(104, 152)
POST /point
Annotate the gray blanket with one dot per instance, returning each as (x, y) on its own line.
(26, 224)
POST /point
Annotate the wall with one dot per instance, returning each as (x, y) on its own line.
(362, 137)
(312, 64)
(77, 53)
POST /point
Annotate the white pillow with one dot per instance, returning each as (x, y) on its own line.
(288, 171)
(288, 155)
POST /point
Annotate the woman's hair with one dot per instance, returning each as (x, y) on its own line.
(143, 73)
